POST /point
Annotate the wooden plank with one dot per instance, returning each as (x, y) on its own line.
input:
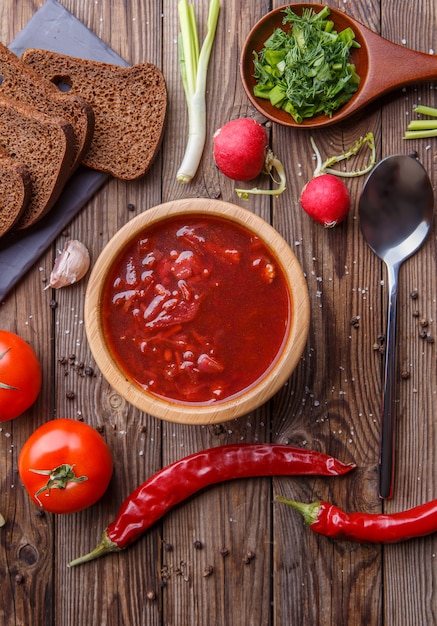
(413, 600)
(134, 438)
(329, 403)
(235, 516)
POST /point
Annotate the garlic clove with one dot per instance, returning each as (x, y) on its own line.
(71, 265)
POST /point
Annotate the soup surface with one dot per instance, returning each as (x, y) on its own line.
(196, 309)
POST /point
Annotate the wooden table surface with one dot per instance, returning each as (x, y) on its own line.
(331, 403)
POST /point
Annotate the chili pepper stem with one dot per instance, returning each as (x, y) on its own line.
(309, 512)
(105, 546)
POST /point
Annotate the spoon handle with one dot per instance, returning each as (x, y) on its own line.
(389, 66)
(386, 459)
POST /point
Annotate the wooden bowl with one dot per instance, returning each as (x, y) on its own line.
(255, 42)
(265, 386)
(373, 61)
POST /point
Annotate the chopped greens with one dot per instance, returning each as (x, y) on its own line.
(307, 70)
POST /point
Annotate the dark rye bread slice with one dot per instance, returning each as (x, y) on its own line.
(44, 145)
(21, 82)
(15, 191)
(129, 103)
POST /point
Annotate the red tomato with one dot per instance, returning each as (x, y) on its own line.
(20, 376)
(65, 466)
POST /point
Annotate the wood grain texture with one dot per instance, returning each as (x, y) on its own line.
(330, 403)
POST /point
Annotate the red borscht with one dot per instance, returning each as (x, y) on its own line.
(196, 309)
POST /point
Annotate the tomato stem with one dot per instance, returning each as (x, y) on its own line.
(5, 385)
(59, 478)
(3, 353)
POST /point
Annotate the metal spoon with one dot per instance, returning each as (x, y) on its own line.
(382, 65)
(396, 212)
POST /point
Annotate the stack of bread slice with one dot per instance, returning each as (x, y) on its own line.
(57, 112)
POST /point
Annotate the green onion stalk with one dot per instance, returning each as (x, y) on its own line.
(423, 128)
(193, 65)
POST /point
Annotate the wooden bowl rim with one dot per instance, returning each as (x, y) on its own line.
(239, 404)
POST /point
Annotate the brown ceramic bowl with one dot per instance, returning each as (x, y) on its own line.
(255, 42)
(268, 383)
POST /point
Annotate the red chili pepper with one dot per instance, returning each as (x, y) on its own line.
(180, 480)
(331, 521)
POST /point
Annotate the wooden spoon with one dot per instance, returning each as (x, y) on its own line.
(382, 65)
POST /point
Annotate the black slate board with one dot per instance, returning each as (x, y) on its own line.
(53, 28)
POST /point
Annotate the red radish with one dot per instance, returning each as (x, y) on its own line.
(241, 152)
(240, 149)
(326, 199)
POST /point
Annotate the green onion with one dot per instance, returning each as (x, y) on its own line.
(422, 124)
(422, 129)
(193, 65)
(420, 134)
(424, 110)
